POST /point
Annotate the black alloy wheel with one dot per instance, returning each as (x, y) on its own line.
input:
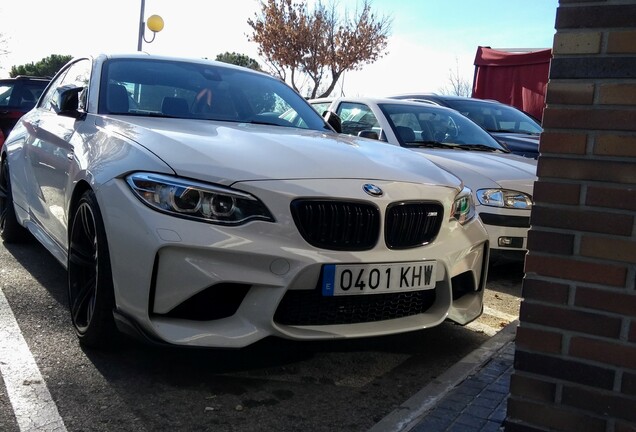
(10, 230)
(90, 284)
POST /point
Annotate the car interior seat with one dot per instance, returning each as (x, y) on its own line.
(117, 99)
(426, 133)
(174, 106)
(490, 123)
(28, 100)
(405, 133)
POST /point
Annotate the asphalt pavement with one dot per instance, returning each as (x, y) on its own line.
(471, 396)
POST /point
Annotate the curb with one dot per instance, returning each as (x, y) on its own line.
(407, 415)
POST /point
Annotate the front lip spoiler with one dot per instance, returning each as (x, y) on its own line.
(130, 327)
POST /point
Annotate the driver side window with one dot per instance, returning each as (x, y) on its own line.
(76, 75)
(357, 117)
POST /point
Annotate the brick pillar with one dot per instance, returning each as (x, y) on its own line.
(575, 360)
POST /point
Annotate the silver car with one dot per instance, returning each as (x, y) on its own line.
(502, 182)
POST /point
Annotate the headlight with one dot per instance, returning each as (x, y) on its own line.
(504, 198)
(199, 201)
(463, 208)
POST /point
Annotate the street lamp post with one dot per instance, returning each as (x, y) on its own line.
(155, 24)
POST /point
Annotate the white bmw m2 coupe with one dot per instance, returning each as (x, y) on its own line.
(189, 212)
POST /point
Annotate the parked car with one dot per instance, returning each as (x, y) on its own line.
(17, 96)
(321, 104)
(517, 130)
(501, 182)
(188, 212)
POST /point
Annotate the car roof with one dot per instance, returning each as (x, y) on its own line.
(26, 78)
(103, 56)
(388, 100)
(435, 96)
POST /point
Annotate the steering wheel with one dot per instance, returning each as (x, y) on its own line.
(453, 130)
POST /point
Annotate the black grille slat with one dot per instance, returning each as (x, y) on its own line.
(355, 226)
(337, 225)
(304, 307)
(412, 224)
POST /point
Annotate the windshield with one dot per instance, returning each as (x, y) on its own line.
(418, 124)
(178, 89)
(496, 117)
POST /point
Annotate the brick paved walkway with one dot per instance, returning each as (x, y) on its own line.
(478, 404)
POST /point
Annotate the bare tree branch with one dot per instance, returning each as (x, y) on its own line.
(458, 85)
(314, 48)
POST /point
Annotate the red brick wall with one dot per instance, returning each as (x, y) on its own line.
(575, 361)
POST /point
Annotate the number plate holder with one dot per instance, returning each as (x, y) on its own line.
(379, 278)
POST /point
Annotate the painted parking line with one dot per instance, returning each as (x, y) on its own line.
(482, 328)
(33, 406)
(500, 314)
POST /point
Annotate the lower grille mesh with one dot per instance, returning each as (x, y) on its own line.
(312, 308)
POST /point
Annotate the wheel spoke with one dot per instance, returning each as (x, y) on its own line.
(3, 215)
(83, 303)
(81, 255)
(4, 195)
(83, 263)
(88, 226)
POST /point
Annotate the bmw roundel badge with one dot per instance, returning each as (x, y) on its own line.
(372, 190)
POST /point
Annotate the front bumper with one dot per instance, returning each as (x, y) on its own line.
(165, 268)
(507, 230)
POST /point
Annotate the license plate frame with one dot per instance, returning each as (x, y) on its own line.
(378, 278)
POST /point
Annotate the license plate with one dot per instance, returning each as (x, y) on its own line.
(355, 279)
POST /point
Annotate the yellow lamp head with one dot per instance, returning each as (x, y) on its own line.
(155, 23)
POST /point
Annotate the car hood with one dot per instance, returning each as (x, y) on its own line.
(225, 153)
(519, 143)
(481, 170)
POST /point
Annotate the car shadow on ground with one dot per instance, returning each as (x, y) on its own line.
(137, 357)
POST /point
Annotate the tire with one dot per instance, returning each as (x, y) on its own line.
(10, 229)
(90, 282)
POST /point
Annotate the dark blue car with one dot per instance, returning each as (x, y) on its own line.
(518, 131)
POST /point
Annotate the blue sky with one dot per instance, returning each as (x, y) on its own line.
(429, 38)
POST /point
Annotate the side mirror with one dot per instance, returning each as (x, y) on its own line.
(333, 120)
(68, 102)
(369, 134)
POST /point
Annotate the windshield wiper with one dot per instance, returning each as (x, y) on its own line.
(279, 122)
(513, 131)
(429, 144)
(146, 114)
(262, 122)
(482, 147)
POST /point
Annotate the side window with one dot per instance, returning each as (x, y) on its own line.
(48, 98)
(5, 93)
(76, 75)
(406, 119)
(357, 117)
(31, 91)
(321, 107)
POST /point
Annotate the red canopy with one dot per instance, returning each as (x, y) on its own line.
(514, 78)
